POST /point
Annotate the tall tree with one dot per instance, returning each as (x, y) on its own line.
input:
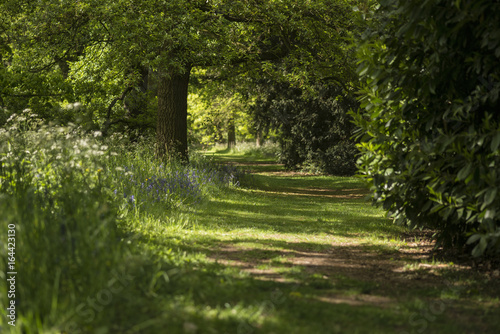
(172, 37)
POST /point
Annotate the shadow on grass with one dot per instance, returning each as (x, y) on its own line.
(396, 274)
(198, 281)
(343, 289)
(277, 213)
(198, 300)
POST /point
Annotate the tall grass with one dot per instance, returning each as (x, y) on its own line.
(54, 190)
(69, 195)
(144, 181)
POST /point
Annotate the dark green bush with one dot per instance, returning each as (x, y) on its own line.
(430, 117)
(314, 130)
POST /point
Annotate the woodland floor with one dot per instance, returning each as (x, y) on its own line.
(392, 270)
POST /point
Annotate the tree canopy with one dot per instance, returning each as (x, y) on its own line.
(103, 51)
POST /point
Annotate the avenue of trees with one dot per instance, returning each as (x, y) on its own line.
(420, 79)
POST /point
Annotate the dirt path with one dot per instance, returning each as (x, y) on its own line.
(384, 274)
(383, 277)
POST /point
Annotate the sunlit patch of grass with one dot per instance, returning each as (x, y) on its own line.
(294, 273)
(269, 150)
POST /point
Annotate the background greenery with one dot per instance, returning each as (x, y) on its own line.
(114, 234)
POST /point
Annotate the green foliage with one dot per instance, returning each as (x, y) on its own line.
(267, 150)
(314, 130)
(97, 52)
(431, 148)
(69, 196)
(209, 119)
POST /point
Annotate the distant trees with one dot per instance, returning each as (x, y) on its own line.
(430, 117)
(217, 116)
(304, 95)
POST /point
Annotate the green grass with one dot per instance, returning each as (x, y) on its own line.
(281, 253)
(242, 252)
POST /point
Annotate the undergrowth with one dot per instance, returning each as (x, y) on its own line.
(68, 195)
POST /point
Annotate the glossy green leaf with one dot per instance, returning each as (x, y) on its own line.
(495, 143)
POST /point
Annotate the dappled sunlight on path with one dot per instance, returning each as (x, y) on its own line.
(318, 240)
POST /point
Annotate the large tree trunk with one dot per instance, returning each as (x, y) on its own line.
(171, 128)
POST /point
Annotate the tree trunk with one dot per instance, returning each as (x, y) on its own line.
(231, 133)
(171, 128)
(260, 138)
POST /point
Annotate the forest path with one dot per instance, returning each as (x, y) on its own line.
(312, 247)
(336, 243)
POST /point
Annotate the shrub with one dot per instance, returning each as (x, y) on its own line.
(313, 128)
(431, 144)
